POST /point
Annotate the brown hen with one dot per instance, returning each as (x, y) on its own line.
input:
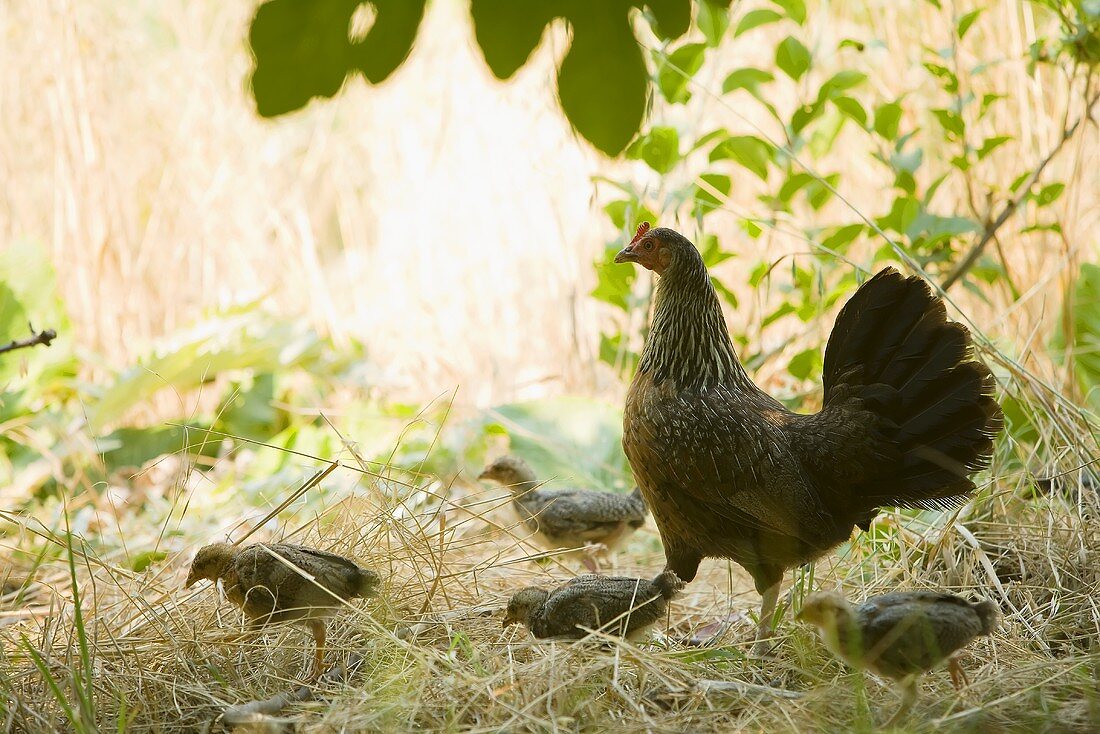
(729, 472)
(280, 582)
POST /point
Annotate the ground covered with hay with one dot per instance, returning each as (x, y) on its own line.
(92, 641)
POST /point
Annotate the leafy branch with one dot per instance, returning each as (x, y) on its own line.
(1022, 193)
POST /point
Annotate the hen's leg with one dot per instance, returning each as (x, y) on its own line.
(770, 600)
(318, 628)
(908, 698)
(589, 554)
(958, 675)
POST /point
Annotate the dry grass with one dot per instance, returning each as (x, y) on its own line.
(446, 221)
(436, 657)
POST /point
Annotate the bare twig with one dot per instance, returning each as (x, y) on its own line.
(262, 713)
(42, 337)
(1013, 204)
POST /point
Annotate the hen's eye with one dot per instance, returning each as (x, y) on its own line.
(649, 245)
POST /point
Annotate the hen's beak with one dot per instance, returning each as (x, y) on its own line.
(626, 255)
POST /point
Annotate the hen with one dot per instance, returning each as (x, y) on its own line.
(616, 605)
(280, 582)
(568, 518)
(729, 472)
(900, 635)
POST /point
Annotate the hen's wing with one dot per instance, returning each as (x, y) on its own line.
(723, 455)
(285, 581)
(585, 514)
(908, 632)
(592, 601)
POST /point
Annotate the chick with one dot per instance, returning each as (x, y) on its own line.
(280, 582)
(624, 607)
(900, 635)
(568, 518)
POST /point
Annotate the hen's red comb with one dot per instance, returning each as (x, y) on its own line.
(642, 229)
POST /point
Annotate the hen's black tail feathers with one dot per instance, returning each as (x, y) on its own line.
(894, 347)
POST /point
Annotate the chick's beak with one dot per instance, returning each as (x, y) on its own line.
(191, 579)
(626, 255)
(483, 475)
(509, 620)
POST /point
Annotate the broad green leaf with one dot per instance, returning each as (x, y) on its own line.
(794, 9)
(755, 19)
(991, 144)
(851, 108)
(805, 363)
(615, 283)
(791, 186)
(1083, 313)
(887, 117)
(507, 32)
(792, 57)
(747, 150)
(602, 82)
(966, 21)
(842, 237)
(713, 19)
(568, 441)
(677, 69)
(1049, 194)
(145, 559)
(951, 122)
(672, 18)
(840, 82)
(748, 78)
(659, 148)
(302, 49)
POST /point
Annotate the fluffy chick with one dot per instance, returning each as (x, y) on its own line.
(568, 518)
(900, 635)
(615, 605)
(280, 582)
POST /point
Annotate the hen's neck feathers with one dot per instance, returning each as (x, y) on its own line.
(689, 342)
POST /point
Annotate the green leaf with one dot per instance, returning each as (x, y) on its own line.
(1049, 194)
(727, 295)
(991, 144)
(1083, 313)
(747, 78)
(507, 32)
(840, 82)
(792, 57)
(747, 150)
(851, 108)
(671, 79)
(818, 194)
(842, 237)
(945, 75)
(887, 117)
(145, 559)
(659, 148)
(603, 81)
(966, 21)
(568, 441)
(712, 252)
(755, 19)
(951, 122)
(713, 19)
(672, 18)
(791, 186)
(795, 9)
(805, 363)
(302, 49)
